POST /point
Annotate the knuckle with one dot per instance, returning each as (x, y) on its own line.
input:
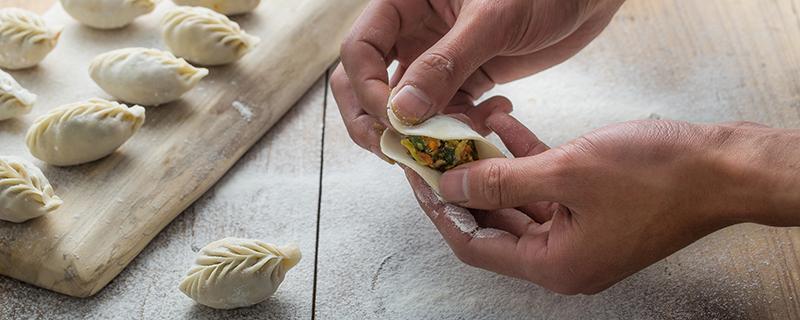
(439, 64)
(492, 188)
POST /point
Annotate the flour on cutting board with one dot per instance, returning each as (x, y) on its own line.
(244, 110)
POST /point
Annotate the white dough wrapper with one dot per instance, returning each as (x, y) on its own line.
(439, 127)
(147, 77)
(235, 273)
(83, 132)
(25, 192)
(205, 37)
(25, 39)
(226, 7)
(107, 14)
(14, 99)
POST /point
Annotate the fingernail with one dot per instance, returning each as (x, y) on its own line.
(411, 104)
(453, 186)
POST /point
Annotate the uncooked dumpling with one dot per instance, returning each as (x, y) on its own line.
(14, 99)
(25, 39)
(147, 77)
(234, 273)
(25, 193)
(83, 132)
(205, 37)
(226, 7)
(441, 129)
(107, 14)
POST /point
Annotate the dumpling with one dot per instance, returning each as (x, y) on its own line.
(107, 14)
(83, 132)
(233, 273)
(434, 146)
(14, 99)
(24, 39)
(226, 7)
(205, 37)
(143, 76)
(25, 193)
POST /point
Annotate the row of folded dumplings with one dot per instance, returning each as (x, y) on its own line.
(89, 130)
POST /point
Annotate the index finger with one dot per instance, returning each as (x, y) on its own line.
(491, 249)
(366, 51)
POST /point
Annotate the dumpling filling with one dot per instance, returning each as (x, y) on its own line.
(441, 155)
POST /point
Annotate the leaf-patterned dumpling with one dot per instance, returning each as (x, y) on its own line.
(234, 273)
(83, 132)
(25, 39)
(14, 99)
(147, 77)
(25, 192)
(107, 14)
(226, 7)
(205, 37)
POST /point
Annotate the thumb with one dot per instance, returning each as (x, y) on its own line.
(502, 183)
(433, 79)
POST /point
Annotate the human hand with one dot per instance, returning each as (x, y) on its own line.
(451, 52)
(583, 216)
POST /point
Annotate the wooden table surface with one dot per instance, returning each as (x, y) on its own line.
(378, 257)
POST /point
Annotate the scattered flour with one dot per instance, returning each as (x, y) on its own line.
(244, 110)
(486, 233)
(461, 218)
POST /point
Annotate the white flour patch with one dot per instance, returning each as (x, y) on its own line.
(244, 110)
(428, 199)
(461, 218)
(487, 233)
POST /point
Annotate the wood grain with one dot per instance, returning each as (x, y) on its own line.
(115, 206)
(700, 61)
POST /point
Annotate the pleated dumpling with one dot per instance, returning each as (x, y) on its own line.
(107, 14)
(233, 273)
(205, 37)
(25, 192)
(143, 76)
(25, 39)
(226, 7)
(83, 132)
(14, 99)
(434, 146)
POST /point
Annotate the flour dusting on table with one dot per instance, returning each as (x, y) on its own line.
(244, 110)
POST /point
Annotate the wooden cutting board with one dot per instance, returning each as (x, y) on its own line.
(115, 206)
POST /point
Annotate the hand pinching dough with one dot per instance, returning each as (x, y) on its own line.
(226, 7)
(83, 132)
(25, 193)
(25, 39)
(107, 14)
(148, 77)
(14, 99)
(205, 37)
(434, 146)
(234, 273)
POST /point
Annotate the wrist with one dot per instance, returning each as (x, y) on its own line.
(756, 174)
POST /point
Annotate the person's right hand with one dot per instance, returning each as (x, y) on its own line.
(450, 52)
(583, 216)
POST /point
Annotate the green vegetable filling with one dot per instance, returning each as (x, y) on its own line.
(438, 154)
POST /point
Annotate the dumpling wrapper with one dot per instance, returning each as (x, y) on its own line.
(440, 127)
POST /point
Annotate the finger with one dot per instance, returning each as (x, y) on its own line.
(503, 183)
(479, 114)
(510, 220)
(504, 69)
(365, 52)
(364, 129)
(489, 249)
(433, 79)
(517, 138)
